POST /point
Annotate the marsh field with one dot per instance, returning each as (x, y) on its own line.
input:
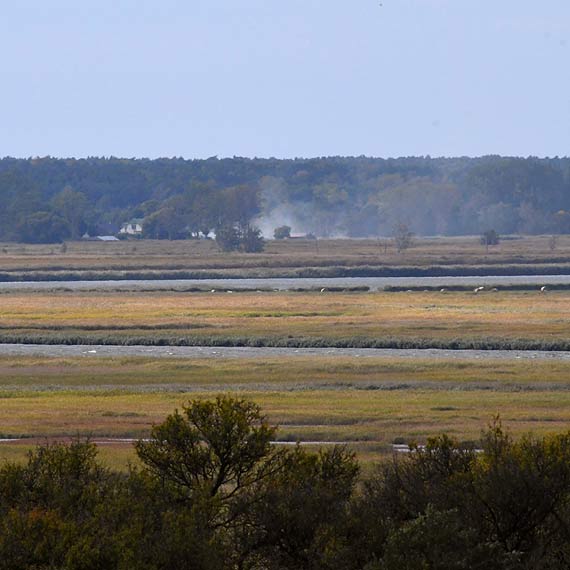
(450, 319)
(368, 403)
(284, 258)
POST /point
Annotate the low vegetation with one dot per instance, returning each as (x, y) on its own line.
(47, 200)
(486, 320)
(286, 257)
(369, 402)
(216, 485)
(212, 492)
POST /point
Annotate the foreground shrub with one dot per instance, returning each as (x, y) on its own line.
(511, 497)
(214, 493)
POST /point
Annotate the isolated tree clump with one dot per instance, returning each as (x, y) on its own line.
(490, 237)
(213, 448)
(213, 492)
(252, 240)
(552, 242)
(247, 238)
(43, 227)
(282, 232)
(227, 237)
(403, 237)
(73, 207)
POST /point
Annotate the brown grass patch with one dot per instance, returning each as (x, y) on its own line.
(524, 315)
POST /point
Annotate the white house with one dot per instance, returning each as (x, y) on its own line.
(133, 227)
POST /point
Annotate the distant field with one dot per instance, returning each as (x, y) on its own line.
(264, 318)
(279, 256)
(369, 404)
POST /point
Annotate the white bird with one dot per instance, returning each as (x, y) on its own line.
(442, 290)
(323, 290)
(213, 291)
(543, 288)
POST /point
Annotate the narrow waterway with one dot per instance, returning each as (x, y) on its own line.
(374, 283)
(97, 351)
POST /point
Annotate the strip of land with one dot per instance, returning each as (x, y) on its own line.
(523, 320)
(162, 259)
(249, 352)
(370, 402)
(110, 364)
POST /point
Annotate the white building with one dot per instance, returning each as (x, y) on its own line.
(133, 227)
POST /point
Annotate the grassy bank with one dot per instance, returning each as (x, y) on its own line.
(490, 320)
(370, 403)
(481, 343)
(306, 272)
(327, 257)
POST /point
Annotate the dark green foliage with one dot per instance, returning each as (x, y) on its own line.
(228, 237)
(312, 268)
(297, 517)
(81, 337)
(439, 540)
(326, 196)
(251, 240)
(215, 494)
(42, 227)
(520, 491)
(507, 506)
(490, 237)
(402, 237)
(282, 232)
(66, 478)
(156, 531)
(214, 448)
(72, 206)
(49, 509)
(244, 238)
(165, 223)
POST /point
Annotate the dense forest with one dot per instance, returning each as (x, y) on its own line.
(212, 492)
(48, 199)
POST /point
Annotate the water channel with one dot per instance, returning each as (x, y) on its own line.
(374, 283)
(95, 351)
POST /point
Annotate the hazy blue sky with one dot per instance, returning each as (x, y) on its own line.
(284, 78)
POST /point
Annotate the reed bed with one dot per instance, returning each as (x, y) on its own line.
(488, 320)
(161, 257)
(369, 404)
(379, 417)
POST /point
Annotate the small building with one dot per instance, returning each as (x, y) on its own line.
(302, 236)
(106, 238)
(87, 237)
(133, 227)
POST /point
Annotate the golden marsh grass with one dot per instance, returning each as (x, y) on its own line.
(368, 403)
(506, 314)
(325, 415)
(204, 254)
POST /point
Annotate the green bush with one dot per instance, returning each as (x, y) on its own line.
(214, 493)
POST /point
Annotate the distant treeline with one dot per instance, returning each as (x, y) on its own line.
(213, 493)
(48, 199)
